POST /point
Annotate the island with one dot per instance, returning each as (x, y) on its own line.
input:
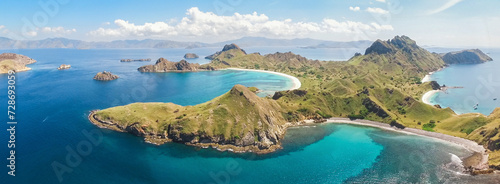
(134, 60)
(164, 65)
(105, 76)
(381, 88)
(470, 56)
(16, 62)
(64, 67)
(191, 56)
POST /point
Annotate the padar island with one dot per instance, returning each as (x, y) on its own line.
(382, 85)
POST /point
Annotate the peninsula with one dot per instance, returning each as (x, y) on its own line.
(16, 62)
(382, 85)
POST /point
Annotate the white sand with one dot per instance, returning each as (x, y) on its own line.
(427, 96)
(426, 78)
(296, 82)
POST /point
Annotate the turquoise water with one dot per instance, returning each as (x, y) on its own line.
(480, 82)
(52, 109)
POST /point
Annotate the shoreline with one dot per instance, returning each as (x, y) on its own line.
(426, 98)
(296, 82)
(427, 78)
(472, 146)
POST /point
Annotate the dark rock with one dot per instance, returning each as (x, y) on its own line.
(435, 85)
(191, 56)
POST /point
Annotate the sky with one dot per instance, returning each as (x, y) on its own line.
(446, 23)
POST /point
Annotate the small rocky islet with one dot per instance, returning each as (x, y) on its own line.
(105, 76)
(64, 67)
(190, 56)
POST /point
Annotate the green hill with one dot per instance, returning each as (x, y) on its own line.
(381, 85)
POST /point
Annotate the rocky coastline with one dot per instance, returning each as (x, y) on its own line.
(16, 62)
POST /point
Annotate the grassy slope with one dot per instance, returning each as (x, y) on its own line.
(381, 87)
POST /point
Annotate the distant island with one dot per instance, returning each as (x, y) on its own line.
(105, 76)
(64, 67)
(7, 43)
(190, 56)
(133, 60)
(470, 56)
(383, 85)
(16, 62)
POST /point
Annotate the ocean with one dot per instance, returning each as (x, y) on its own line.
(479, 84)
(55, 143)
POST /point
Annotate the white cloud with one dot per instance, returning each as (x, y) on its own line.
(382, 1)
(57, 30)
(377, 10)
(198, 23)
(2, 26)
(31, 33)
(354, 8)
(445, 6)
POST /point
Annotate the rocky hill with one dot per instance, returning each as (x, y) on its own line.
(470, 56)
(164, 65)
(238, 120)
(16, 62)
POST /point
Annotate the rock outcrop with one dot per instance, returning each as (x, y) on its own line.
(190, 56)
(470, 56)
(64, 67)
(164, 65)
(16, 62)
(105, 76)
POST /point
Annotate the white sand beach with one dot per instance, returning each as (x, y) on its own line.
(426, 98)
(296, 82)
(427, 78)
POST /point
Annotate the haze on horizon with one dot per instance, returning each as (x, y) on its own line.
(447, 23)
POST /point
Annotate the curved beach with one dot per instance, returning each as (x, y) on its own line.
(295, 81)
(472, 146)
(426, 98)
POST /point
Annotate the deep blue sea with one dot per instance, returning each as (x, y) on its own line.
(480, 82)
(53, 130)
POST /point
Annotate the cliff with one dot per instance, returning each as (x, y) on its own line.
(16, 62)
(163, 65)
(105, 76)
(238, 120)
(470, 56)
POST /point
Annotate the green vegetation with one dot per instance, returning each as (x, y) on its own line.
(429, 126)
(381, 85)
